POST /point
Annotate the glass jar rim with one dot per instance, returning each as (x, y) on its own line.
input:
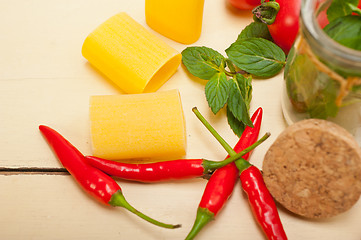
(332, 51)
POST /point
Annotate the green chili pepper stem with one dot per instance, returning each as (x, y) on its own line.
(118, 200)
(242, 165)
(237, 157)
(224, 144)
(213, 165)
(203, 217)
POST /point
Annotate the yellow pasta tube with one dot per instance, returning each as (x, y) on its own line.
(129, 55)
(180, 20)
(147, 126)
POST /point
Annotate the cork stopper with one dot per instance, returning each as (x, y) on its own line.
(314, 169)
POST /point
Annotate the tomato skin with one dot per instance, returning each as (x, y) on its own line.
(245, 4)
(285, 28)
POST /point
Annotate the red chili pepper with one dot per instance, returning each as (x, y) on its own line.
(262, 203)
(221, 183)
(168, 170)
(152, 172)
(260, 199)
(92, 180)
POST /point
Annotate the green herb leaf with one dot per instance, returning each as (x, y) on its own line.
(309, 90)
(324, 103)
(340, 8)
(346, 31)
(245, 84)
(255, 30)
(299, 81)
(239, 99)
(203, 62)
(257, 56)
(237, 126)
(217, 91)
(230, 65)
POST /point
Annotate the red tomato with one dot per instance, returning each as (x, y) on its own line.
(284, 30)
(245, 4)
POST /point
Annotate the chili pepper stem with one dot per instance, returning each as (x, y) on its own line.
(224, 144)
(203, 217)
(118, 200)
(233, 155)
(242, 165)
(212, 165)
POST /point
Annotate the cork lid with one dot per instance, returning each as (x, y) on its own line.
(314, 169)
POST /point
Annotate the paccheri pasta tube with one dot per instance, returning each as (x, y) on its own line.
(129, 55)
(138, 126)
(180, 20)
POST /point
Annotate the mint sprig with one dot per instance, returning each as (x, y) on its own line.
(230, 78)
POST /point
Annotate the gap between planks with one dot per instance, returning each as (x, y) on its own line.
(33, 171)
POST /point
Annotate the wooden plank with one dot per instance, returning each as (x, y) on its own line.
(53, 207)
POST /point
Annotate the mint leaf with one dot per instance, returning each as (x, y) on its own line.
(255, 30)
(324, 103)
(300, 83)
(309, 90)
(237, 126)
(340, 8)
(245, 85)
(217, 91)
(346, 31)
(238, 99)
(257, 56)
(202, 62)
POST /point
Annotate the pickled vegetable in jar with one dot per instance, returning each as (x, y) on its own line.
(322, 77)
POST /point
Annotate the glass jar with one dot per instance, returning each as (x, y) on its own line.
(322, 78)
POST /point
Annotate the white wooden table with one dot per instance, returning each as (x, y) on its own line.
(45, 80)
